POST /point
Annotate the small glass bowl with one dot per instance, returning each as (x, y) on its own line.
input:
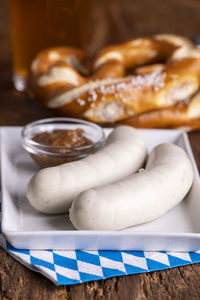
(48, 156)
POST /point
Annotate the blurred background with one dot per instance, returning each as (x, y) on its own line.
(112, 21)
(129, 18)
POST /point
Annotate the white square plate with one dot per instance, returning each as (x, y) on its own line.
(25, 228)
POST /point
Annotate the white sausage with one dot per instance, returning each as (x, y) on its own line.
(139, 198)
(52, 190)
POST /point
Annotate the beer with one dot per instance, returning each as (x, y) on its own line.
(38, 24)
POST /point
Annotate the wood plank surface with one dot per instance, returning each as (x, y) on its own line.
(114, 21)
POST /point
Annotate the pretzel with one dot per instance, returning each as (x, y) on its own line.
(122, 81)
(185, 115)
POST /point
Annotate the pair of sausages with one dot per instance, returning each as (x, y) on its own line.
(103, 190)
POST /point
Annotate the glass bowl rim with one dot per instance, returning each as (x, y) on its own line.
(36, 148)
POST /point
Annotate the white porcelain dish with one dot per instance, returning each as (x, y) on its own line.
(25, 228)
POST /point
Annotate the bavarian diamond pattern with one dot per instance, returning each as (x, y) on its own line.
(72, 267)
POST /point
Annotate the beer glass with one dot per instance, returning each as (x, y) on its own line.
(38, 24)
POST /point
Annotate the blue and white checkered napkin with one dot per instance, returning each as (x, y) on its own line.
(71, 267)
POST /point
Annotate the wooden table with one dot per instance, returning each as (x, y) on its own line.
(116, 22)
